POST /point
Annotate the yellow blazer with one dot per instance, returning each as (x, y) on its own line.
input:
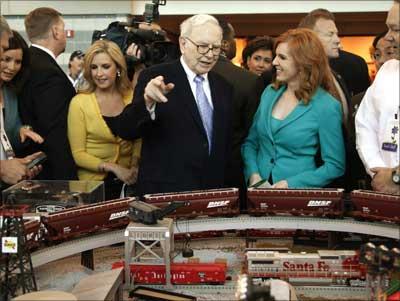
(92, 142)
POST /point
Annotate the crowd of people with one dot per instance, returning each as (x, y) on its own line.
(303, 114)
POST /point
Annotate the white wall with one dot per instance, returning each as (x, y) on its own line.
(176, 7)
(67, 7)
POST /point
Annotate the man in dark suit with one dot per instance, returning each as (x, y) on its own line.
(48, 92)
(353, 69)
(244, 102)
(182, 112)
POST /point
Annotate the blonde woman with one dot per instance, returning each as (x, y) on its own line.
(99, 154)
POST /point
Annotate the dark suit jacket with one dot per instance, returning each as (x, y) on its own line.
(355, 173)
(174, 146)
(44, 105)
(245, 103)
(354, 71)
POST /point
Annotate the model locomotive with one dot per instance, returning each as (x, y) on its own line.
(323, 267)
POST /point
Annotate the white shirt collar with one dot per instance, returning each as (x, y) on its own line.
(190, 74)
(48, 51)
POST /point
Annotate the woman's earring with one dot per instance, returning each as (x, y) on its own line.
(118, 73)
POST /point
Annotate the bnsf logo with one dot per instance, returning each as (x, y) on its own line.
(218, 204)
(314, 203)
(116, 215)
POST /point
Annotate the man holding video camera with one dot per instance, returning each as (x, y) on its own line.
(182, 112)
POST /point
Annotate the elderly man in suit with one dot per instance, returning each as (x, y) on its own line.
(182, 112)
(48, 92)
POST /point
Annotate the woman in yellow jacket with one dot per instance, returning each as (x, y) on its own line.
(99, 154)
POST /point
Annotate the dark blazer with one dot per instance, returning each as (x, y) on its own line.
(44, 105)
(174, 146)
(355, 173)
(245, 103)
(354, 71)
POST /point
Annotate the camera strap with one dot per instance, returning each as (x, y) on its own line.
(5, 142)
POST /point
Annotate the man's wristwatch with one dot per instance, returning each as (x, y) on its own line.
(396, 177)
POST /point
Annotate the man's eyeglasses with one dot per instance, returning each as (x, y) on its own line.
(204, 49)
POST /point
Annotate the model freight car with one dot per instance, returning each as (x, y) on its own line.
(315, 202)
(213, 202)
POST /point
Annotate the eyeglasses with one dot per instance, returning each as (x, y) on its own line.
(204, 49)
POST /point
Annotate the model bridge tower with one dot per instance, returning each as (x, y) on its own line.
(16, 270)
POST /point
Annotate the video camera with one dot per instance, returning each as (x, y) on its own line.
(154, 47)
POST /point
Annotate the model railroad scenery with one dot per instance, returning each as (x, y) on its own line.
(322, 267)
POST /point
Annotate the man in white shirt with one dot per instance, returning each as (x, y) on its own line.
(75, 68)
(377, 119)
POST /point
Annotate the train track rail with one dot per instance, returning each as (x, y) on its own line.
(241, 222)
(229, 289)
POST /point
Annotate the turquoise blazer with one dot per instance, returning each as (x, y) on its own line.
(290, 153)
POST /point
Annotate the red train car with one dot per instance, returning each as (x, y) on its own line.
(371, 205)
(32, 228)
(315, 202)
(213, 202)
(86, 219)
(181, 273)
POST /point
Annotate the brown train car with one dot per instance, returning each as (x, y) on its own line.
(86, 219)
(32, 233)
(213, 202)
(371, 205)
(315, 202)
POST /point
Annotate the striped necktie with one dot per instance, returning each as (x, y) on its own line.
(205, 109)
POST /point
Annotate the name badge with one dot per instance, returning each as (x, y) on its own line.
(390, 147)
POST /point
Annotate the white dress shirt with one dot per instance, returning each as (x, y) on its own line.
(378, 121)
(190, 75)
(206, 84)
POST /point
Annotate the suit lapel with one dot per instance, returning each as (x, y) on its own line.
(269, 111)
(188, 98)
(217, 97)
(297, 112)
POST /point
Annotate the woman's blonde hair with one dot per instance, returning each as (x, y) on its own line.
(311, 62)
(122, 82)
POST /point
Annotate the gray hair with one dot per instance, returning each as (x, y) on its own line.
(4, 27)
(197, 20)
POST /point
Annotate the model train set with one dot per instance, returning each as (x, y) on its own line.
(320, 268)
(331, 203)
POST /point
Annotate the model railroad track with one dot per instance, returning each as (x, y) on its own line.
(241, 222)
(332, 292)
(229, 289)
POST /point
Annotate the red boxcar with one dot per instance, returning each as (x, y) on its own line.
(86, 219)
(316, 202)
(371, 205)
(181, 273)
(213, 202)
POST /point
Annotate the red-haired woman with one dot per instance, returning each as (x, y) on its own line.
(297, 118)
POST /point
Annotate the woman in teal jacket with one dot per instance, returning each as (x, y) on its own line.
(298, 118)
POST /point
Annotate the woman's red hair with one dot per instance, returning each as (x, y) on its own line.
(311, 62)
